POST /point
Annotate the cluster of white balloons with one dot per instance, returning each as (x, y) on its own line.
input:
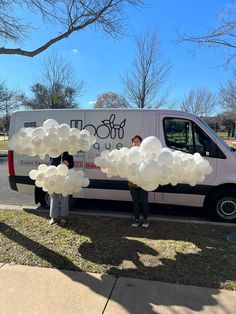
(60, 179)
(52, 139)
(151, 165)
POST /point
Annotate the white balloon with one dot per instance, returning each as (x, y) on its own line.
(60, 179)
(51, 170)
(16, 139)
(22, 132)
(38, 132)
(149, 170)
(97, 161)
(151, 144)
(105, 154)
(151, 186)
(33, 174)
(84, 132)
(165, 158)
(63, 130)
(42, 156)
(50, 123)
(39, 184)
(51, 140)
(40, 149)
(40, 176)
(74, 131)
(134, 155)
(62, 169)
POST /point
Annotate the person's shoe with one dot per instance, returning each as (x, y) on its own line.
(136, 223)
(52, 221)
(145, 224)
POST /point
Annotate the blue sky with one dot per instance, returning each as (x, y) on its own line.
(100, 60)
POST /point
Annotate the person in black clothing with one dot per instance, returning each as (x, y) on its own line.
(59, 205)
(139, 197)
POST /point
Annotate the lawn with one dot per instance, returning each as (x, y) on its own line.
(3, 145)
(186, 253)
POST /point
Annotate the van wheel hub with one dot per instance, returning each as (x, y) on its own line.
(226, 207)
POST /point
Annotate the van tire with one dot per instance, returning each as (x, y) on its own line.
(221, 205)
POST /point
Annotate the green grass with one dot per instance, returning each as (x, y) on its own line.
(186, 253)
(3, 145)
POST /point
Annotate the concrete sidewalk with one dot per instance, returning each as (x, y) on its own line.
(34, 290)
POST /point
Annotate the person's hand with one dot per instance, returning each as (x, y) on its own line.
(65, 162)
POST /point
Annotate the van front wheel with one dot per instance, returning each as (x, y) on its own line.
(222, 205)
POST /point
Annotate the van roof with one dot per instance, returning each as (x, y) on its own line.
(160, 111)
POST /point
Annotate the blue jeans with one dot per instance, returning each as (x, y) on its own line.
(140, 199)
(59, 206)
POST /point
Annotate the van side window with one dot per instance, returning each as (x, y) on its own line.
(178, 134)
(187, 136)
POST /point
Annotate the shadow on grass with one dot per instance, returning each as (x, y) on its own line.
(202, 256)
(55, 259)
(114, 242)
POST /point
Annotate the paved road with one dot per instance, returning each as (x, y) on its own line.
(8, 196)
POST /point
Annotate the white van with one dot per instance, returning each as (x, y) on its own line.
(114, 128)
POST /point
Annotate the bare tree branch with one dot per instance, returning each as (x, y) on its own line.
(10, 100)
(143, 83)
(60, 88)
(72, 16)
(111, 100)
(227, 95)
(223, 35)
(199, 101)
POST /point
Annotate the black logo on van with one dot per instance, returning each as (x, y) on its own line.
(108, 128)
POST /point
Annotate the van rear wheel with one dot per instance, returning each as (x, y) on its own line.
(222, 205)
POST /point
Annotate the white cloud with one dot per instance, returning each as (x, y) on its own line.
(92, 102)
(74, 50)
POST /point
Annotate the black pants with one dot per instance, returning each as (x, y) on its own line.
(140, 201)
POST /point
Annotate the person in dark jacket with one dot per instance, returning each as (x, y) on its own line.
(59, 205)
(139, 197)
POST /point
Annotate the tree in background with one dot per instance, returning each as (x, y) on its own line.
(227, 95)
(228, 120)
(59, 18)
(10, 101)
(221, 36)
(199, 101)
(111, 100)
(60, 89)
(143, 83)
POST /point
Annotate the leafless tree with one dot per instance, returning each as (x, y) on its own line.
(59, 88)
(10, 100)
(221, 36)
(17, 20)
(149, 70)
(227, 95)
(199, 101)
(111, 100)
